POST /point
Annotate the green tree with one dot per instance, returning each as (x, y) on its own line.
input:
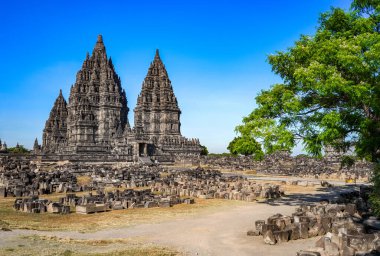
(204, 151)
(246, 146)
(330, 94)
(330, 90)
(19, 149)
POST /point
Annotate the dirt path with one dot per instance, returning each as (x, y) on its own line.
(213, 233)
(217, 233)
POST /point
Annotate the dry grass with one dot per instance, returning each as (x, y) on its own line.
(242, 172)
(51, 245)
(98, 221)
(118, 218)
(84, 180)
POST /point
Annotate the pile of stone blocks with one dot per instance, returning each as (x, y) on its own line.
(92, 208)
(207, 184)
(341, 226)
(282, 163)
(20, 178)
(36, 205)
(129, 177)
(118, 200)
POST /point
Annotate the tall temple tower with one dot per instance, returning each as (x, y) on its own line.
(93, 125)
(157, 108)
(157, 114)
(54, 136)
(97, 109)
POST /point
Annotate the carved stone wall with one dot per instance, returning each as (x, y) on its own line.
(95, 121)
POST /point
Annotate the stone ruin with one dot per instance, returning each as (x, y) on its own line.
(101, 202)
(174, 188)
(200, 183)
(345, 226)
(3, 147)
(282, 163)
(93, 126)
(20, 178)
(36, 205)
(133, 186)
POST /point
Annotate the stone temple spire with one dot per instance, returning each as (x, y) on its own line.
(99, 101)
(99, 46)
(36, 146)
(54, 135)
(157, 67)
(157, 108)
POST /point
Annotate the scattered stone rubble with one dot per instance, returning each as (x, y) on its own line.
(282, 163)
(20, 178)
(206, 184)
(129, 177)
(36, 205)
(344, 225)
(174, 187)
(117, 200)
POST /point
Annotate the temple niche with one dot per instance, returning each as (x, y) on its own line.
(94, 126)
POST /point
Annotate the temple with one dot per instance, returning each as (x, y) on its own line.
(94, 126)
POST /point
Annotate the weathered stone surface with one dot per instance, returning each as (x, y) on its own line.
(331, 248)
(308, 253)
(269, 238)
(253, 233)
(259, 225)
(95, 120)
(294, 231)
(347, 237)
(281, 236)
(283, 163)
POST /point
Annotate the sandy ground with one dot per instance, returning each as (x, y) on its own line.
(220, 232)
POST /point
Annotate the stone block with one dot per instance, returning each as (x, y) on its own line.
(326, 223)
(304, 228)
(3, 192)
(294, 231)
(308, 253)
(269, 238)
(347, 251)
(316, 230)
(331, 248)
(281, 236)
(266, 227)
(164, 204)
(253, 233)
(259, 225)
(351, 209)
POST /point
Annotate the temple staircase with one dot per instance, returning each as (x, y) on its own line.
(146, 160)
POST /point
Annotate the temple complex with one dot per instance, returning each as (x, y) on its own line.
(94, 126)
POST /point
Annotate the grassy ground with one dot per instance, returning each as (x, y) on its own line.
(9, 218)
(50, 245)
(98, 221)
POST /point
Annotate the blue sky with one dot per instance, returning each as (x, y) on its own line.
(214, 51)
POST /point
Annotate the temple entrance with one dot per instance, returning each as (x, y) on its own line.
(146, 149)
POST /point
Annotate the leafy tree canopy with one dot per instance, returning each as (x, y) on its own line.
(330, 93)
(246, 146)
(204, 151)
(19, 149)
